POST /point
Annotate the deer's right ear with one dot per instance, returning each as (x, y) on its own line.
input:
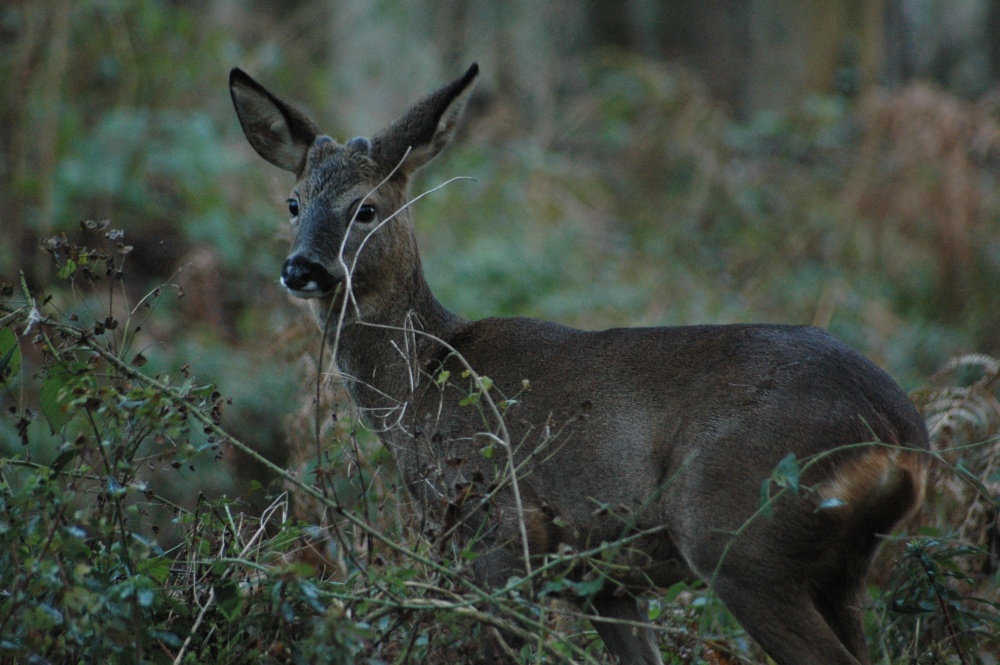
(279, 132)
(426, 127)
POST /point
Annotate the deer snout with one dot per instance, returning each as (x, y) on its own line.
(305, 278)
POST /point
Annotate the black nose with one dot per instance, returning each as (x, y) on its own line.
(301, 274)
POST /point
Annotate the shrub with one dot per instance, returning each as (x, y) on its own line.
(98, 562)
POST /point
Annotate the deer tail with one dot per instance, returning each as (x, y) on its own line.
(877, 488)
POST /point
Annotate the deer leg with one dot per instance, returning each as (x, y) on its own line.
(631, 645)
(842, 611)
(789, 627)
(495, 565)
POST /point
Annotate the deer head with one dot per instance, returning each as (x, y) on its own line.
(352, 232)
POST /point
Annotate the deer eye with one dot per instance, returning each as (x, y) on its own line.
(293, 207)
(365, 214)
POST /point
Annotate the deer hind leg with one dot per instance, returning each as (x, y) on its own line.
(630, 644)
(842, 611)
(790, 626)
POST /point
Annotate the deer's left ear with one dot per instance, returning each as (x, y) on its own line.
(426, 127)
(279, 132)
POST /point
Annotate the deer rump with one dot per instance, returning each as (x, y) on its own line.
(765, 460)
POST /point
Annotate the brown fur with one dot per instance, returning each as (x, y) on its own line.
(660, 435)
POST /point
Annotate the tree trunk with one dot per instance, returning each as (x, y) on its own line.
(801, 47)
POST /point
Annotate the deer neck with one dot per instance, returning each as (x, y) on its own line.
(384, 353)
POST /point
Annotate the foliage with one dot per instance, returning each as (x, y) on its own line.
(84, 513)
(932, 612)
(945, 589)
(611, 189)
(99, 564)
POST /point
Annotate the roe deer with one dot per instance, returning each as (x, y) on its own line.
(661, 435)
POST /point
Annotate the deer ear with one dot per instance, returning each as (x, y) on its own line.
(426, 127)
(278, 131)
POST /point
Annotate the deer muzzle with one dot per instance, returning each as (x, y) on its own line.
(305, 278)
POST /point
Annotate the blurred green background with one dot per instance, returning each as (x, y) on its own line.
(832, 162)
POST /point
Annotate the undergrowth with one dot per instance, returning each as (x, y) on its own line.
(98, 563)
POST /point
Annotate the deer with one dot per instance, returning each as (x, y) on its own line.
(658, 438)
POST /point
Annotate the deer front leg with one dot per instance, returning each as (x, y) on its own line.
(631, 644)
(494, 567)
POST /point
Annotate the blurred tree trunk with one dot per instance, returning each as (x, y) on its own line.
(900, 62)
(955, 43)
(710, 36)
(35, 57)
(805, 46)
(757, 55)
(993, 40)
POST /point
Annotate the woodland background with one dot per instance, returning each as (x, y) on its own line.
(834, 162)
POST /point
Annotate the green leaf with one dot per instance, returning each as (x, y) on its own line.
(227, 595)
(786, 474)
(485, 383)
(673, 591)
(588, 588)
(556, 586)
(50, 400)
(67, 453)
(10, 356)
(114, 488)
(156, 568)
(145, 597)
(67, 269)
(442, 377)
(765, 498)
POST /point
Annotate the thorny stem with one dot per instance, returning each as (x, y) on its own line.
(211, 592)
(504, 439)
(928, 567)
(177, 397)
(335, 502)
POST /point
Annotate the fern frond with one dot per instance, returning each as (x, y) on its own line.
(967, 413)
(961, 405)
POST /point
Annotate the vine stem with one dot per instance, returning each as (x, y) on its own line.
(927, 565)
(177, 397)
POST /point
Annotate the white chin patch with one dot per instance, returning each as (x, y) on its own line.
(310, 290)
(302, 293)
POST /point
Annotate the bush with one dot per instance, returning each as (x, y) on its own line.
(99, 564)
(84, 510)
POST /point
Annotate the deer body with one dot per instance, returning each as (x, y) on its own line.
(661, 436)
